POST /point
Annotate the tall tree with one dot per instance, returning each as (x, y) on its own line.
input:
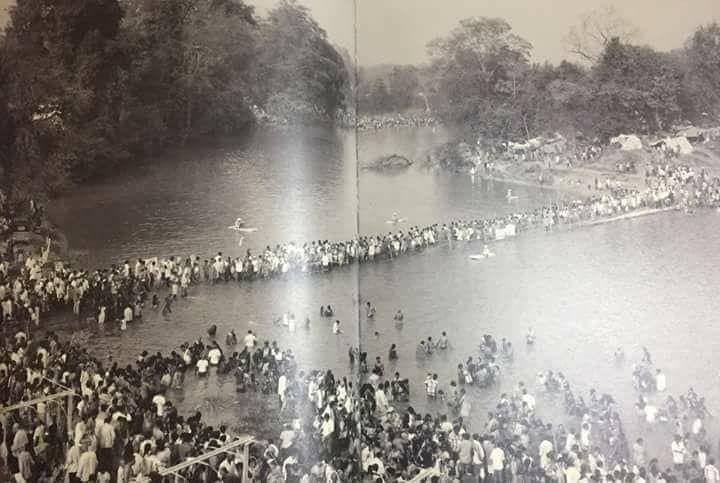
(298, 68)
(637, 89)
(404, 87)
(703, 69)
(472, 66)
(596, 29)
(66, 57)
(187, 76)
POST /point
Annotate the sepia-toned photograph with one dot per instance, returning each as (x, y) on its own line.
(367, 241)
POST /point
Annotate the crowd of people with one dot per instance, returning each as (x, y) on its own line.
(393, 121)
(31, 288)
(555, 152)
(356, 427)
(125, 427)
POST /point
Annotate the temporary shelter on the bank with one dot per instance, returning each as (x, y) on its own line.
(692, 133)
(530, 145)
(627, 142)
(677, 144)
(555, 144)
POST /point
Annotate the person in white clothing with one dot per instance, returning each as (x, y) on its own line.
(281, 390)
(678, 452)
(202, 366)
(159, 401)
(250, 340)
(572, 474)
(544, 450)
(650, 413)
(497, 463)
(712, 475)
(660, 381)
(214, 355)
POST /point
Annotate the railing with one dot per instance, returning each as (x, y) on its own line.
(245, 441)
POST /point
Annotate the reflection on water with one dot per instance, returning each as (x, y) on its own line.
(645, 282)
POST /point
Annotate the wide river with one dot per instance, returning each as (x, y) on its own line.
(650, 281)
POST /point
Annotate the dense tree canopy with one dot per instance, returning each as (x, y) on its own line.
(299, 72)
(393, 88)
(86, 85)
(481, 77)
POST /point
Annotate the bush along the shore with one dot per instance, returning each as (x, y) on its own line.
(453, 156)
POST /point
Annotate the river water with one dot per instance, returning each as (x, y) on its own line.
(648, 281)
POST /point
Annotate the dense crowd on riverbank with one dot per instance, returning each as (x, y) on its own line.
(30, 289)
(124, 427)
(349, 120)
(392, 121)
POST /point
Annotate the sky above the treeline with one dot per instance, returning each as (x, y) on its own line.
(397, 31)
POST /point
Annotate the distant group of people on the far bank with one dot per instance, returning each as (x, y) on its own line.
(391, 120)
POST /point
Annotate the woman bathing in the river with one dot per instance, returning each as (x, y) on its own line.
(167, 307)
(231, 338)
(443, 341)
(399, 316)
(393, 355)
(369, 310)
(619, 354)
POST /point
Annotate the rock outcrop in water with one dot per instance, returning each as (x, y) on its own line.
(391, 162)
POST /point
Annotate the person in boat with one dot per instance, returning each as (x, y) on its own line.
(486, 251)
(530, 336)
(395, 217)
(239, 223)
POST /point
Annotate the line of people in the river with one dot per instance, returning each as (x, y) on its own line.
(30, 289)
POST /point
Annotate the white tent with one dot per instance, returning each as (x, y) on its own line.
(679, 144)
(690, 132)
(627, 142)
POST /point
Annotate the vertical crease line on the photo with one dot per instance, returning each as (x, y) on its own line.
(356, 105)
